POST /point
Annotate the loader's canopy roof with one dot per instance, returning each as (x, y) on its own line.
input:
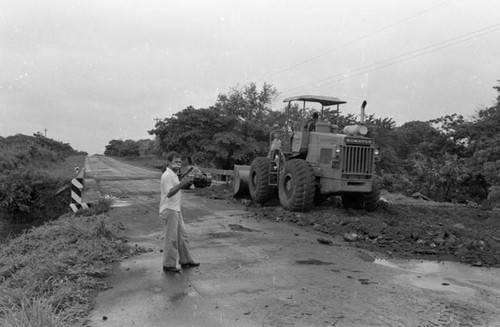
(325, 101)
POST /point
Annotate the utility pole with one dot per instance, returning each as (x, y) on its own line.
(45, 132)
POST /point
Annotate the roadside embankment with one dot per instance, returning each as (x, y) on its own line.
(50, 274)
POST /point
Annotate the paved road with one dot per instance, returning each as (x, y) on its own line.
(264, 273)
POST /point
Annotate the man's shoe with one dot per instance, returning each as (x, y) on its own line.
(190, 264)
(171, 269)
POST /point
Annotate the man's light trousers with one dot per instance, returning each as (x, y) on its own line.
(175, 248)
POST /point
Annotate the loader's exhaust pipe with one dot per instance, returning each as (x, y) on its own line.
(353, 130)
(362, 118)
(358, 129)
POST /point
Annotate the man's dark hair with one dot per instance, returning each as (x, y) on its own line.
(172, 155)
(315, 115)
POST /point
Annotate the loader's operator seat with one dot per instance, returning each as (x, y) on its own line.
(310, 125)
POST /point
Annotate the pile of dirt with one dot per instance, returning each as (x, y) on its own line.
(401, 227)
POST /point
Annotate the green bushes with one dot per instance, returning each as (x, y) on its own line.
(28, 166)
(8, 160)
(97, 208)
(28, 191)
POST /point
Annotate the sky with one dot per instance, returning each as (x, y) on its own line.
(86, 72)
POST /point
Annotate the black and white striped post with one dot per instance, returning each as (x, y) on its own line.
(76, 190)
(76, 193)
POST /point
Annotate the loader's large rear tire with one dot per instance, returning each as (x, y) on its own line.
(297, 186)
(258, 180)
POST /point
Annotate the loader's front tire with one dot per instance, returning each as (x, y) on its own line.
(371, 199)
(297, 186)
(258, 180)
(352, 200)
(367, 201)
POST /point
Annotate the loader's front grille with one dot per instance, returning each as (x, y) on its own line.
(357, 160)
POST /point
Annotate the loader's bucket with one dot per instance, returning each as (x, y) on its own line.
(240, 181)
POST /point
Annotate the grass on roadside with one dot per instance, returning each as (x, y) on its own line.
(36, 312)
(66, 168)
(49, 275)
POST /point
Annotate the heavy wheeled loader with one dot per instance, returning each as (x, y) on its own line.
(313, 163)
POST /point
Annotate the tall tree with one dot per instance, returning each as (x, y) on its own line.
(234, 130)
(480, 140)
(419, 136)
(190, 131)
(251, 112)
(247, 103)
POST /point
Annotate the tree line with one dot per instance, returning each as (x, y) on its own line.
(449, 158)
(19, 151)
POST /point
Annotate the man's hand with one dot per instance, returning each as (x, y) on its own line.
(187, 180)
(181, 176)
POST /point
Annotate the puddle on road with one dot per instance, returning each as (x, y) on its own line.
(221, 235)
(240, 228)
(445, 276)
(313, 262)
(120, 203)
(427, 267)
(386, 263)
(116, 202)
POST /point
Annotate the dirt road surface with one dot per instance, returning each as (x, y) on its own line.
(261, 272)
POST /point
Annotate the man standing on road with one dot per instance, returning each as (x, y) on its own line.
(176, 238)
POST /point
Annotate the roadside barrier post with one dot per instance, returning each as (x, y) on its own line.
(76, 193)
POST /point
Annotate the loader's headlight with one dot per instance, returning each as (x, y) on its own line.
(377, 152)
(337, 152)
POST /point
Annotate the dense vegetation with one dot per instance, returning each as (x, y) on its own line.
(27, 188)
(449, 158)
(21, 151)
